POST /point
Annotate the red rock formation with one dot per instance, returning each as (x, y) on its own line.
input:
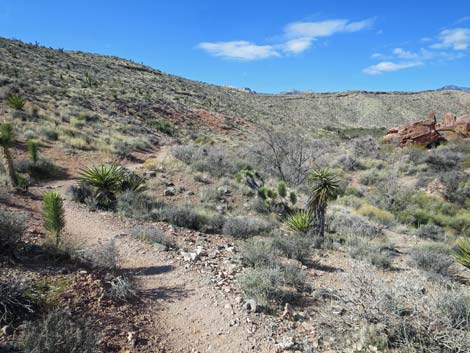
(429, 132)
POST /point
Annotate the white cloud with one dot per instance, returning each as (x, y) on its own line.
(298, 37)
(388, 66)
(325, 28)
(240, 50)
(404, 54)
(298, 45)
(463, 19)
(456, 38)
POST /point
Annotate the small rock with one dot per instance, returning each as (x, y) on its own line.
(7, 330)
(170, 191)
(150, 174)
(288, 312)
(251, 305)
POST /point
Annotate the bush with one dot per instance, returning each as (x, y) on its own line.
(373, 177)
(58, 333)
(11, 231)
(431, 260)
(122, 289)
(258, 253)
(297, 247)
(103, 256)
(347, 224)
(136, 205)
(152, 235)
(263, 284)
(430, 231)
(186, 217)
(163, 126)
(41, 169)
(363, 250)
(376, 214)
(244, 227)
(16, 102)
(301, 221)
(462, 252)
(15, 302)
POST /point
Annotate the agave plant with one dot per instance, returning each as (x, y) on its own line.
(462, 252)
(106, 181)
(324, 186)
(7, 139)
(53, 215)
(301, 221)
(16, 102)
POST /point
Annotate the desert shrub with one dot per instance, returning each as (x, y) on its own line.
(50, 134)
(376, 214)
(348, 163)
(163, 126)
(443, 159)
(11, 230)
(362, 249)
(41, 169)
(245, 227)
(430, 231)
(136, 205)
(186, 217)
(15, 302)
(16, 102)
(152, 235)
(462, 252)
(301, 221)
(456, 306)
(415, 315)
(373, 176)
(58, 333)
(258, 252)
(348, 224)
(122, 289)
(431, 260)
(297, 247)
(103, 256)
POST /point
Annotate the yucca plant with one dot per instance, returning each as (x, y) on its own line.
(301, 221)
(53, 215)
(282, 189)
(106, 180)
(33, 151)
(462, 252)
(324, 186)
(7, 139)
(16, 102)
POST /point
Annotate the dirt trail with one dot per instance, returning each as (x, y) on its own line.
(191, 315)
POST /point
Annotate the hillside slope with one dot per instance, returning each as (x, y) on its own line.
(117, 88)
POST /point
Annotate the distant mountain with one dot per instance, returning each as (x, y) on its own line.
(454, 88)
(295, 91)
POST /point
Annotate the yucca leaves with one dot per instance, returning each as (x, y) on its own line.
(33, 151)
(53, 215)
(16, 102)
(462, 252)
(301, 221)
(7, 135)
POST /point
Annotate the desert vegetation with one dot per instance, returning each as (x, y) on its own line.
(131, 198)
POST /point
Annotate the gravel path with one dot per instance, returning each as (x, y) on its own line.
(189, 314)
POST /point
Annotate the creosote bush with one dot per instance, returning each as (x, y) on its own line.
(431, 260)
(11, 231)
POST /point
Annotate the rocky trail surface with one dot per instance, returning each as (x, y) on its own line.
(193, 306)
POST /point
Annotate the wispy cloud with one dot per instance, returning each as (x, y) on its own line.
(240, 50)
(389, 66)
(463, 19)
(404, 54)
(456, 38)
(298, 37)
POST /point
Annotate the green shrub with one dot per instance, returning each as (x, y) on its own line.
(41, 169)
(301, 221)
(15, 302)
(16, 102)
(348, 224)
(186, 217)
(50, 134)
(152, 235)
(263, 284)
(33, 151)
(297, 247)
(245, 227)
(362, 249)
(59, 334)
(292, 197)
(462, 252)
(258, 253)
(53, 215)
(376, 214)
(11, 230)
(373, 177)
(282, 189)
(163, 126)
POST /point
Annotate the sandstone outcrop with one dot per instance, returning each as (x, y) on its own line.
(429, 132)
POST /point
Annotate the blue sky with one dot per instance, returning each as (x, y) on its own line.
(269, 46)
